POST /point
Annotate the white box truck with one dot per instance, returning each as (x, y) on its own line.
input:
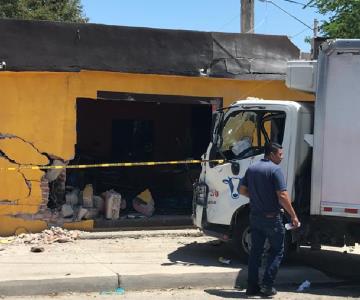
(321, 143)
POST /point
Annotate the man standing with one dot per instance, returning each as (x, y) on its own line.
(264, 184)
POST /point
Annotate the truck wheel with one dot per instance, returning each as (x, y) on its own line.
(242, 237)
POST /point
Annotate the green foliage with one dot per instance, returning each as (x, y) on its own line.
(344, 17)
(53, 10)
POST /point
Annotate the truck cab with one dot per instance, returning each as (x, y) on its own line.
(239, 134)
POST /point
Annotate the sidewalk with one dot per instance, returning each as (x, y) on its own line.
(132, 260)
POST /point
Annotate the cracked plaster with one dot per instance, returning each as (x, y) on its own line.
(27, 197)
(22, 152)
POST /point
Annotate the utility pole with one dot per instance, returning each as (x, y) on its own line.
(247, 16)
(316, 28)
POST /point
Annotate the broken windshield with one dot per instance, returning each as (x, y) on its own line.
(245, 133)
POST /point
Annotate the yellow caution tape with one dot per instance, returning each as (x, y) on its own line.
(110, 165)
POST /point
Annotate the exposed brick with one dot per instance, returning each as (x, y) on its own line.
(45, 191)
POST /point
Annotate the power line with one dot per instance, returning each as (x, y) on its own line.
(291, 15)
(297, 34)
(251, 29)
(309, 4)
(257, 25)
(232, 20)
(264, 20)
(295, 2)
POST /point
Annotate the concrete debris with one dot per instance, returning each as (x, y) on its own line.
(52, 174)
(67, 211)
(224, 261)
(91, 214)
(72, 198)
(99, 203)
(48, 236)
(37, 249)
(6, 241)
(81, 214)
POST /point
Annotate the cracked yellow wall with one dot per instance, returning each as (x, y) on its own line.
(38, 118)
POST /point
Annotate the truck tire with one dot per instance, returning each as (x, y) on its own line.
(241, 236)
(242, 239)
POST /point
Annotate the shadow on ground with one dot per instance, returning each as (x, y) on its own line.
(226, 293)
(333, 290)
(344, 266)
(209, 253)
(333, 263)
(205, 254)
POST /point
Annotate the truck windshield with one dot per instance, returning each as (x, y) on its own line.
(245, 133)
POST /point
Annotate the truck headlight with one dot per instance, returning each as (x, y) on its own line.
(200, 193)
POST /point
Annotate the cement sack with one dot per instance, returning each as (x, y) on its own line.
(112, 205)
(88, 196)
(146, 196)
(147, 209)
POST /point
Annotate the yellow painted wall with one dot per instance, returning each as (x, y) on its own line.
(38, 113)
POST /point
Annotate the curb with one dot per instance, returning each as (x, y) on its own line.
(286, 276)
(139, 234)
(58, 285)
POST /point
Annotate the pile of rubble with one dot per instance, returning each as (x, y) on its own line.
(48, 236)
(84, 204)
(74, 204)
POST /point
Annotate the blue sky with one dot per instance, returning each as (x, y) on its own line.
(204, 15)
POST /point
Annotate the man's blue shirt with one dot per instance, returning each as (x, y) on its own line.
(263, 179)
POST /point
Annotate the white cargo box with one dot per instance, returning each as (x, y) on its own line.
(336, 166)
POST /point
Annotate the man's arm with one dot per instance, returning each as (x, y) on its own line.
(285, 202)
(244, 191)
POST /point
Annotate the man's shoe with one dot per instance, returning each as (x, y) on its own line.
(252, 290)
(239, 287)
(268, 291)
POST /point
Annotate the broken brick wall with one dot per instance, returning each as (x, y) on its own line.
(35, 114)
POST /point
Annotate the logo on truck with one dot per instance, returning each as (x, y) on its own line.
(234, 185)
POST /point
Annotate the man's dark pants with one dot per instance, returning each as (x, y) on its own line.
(262, 228)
